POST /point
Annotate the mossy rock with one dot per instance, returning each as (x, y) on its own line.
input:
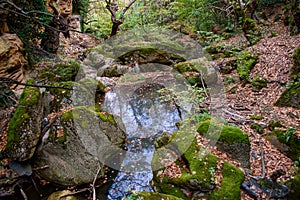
(258, 128)
(258, 83)
(24, 127)
(229, 134)
(290, 97)
(61, 72)
(294, 187)
(230, 139)
(86, 91)
(274, 124)
(151, 196)
(80, 142)
(245, 62)
(291, 141)
(296, 56)
(149, 55)
(193, 69)
(200, 179)
(256, 117)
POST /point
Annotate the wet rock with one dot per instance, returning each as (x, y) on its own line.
(78, 145)
(24, 127)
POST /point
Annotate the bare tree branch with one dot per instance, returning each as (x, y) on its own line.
(7, 79)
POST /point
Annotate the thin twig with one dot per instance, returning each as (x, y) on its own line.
(23, 194)
(202, 82)
(94, 181)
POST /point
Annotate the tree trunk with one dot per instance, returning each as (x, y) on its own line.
(115, 28)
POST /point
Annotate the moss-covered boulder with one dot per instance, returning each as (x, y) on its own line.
(81, 141)
(24, 128)
(291, 96)
(86, 91)
(231, 140)
(286, 142)
(64, 71)
(294, 187)
(258, 83)
(149, 55)
(206, 177)
(245, 62)
(193, 70)
(296, 56)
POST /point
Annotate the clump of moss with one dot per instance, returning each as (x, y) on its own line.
(258, 128)
(245, 62)
(256, 117)
(151, 196)
(296, 56)
(64, 71)
(258, 83)
(294, 187)
(274, 124)
(292, 141)
(229, 134)
(28, 99)
(290, 97)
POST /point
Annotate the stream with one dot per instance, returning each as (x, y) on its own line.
(146, 117)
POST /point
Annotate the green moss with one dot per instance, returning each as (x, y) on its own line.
(229, 80)
(292, 141)
(155, 54)
(256, 117)
(202, 167)
(153, 196)
(245, 62)
(229, 134)
(258, 83)
(290, 97)
(257, 128)
(90, 83)
(65, 71)
(295, 192)
(231, 179)
(28, 99)
(274, 124)
(75, 114)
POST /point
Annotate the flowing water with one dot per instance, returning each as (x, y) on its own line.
(146, 117)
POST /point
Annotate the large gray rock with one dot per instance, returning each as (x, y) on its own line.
(74, 149)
